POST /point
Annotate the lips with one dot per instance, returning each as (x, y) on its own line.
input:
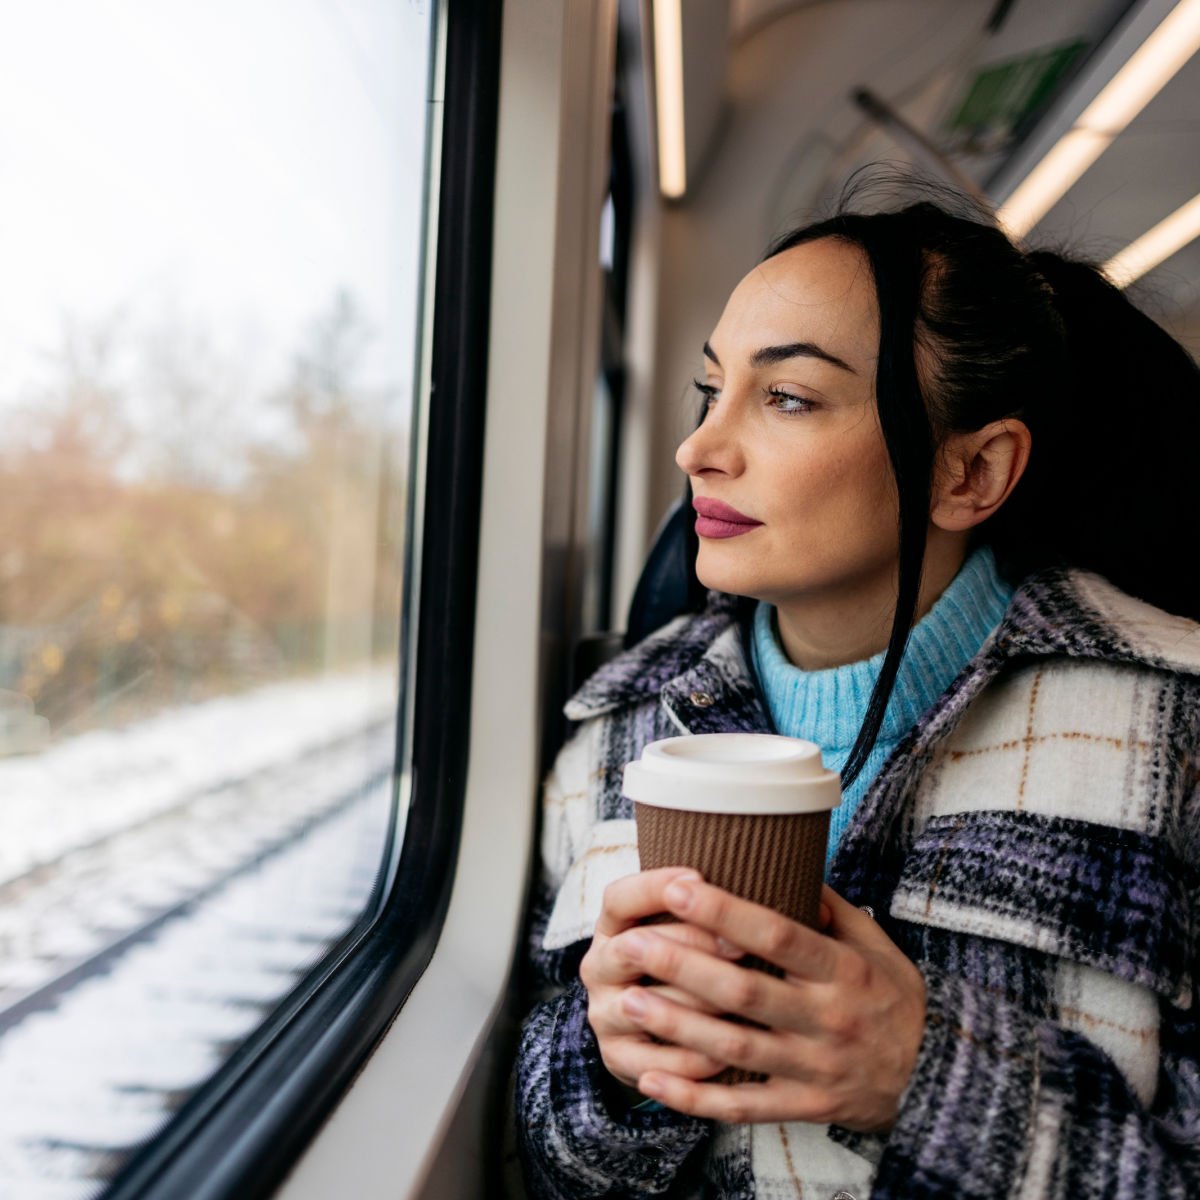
(715, 519)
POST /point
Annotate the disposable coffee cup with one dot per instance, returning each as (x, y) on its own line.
(749, 811)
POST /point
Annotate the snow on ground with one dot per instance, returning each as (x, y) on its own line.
(89, 1079)
(98, 783)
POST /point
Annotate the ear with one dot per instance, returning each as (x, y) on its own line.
(976, 473)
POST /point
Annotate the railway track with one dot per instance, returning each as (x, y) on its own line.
(65, 918)
(132, 966)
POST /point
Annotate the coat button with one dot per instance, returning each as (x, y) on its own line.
(702, 699)
(843, 1195)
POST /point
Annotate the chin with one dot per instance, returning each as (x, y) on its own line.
(723, 577)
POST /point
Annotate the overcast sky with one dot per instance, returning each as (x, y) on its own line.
(234, 162)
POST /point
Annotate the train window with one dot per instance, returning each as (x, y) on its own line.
(212, 236)
(609, 395)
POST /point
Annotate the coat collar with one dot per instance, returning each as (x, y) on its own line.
(1081, 615)
(664, 657)
(1053, 613)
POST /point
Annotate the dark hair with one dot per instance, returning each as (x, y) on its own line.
(974, 329)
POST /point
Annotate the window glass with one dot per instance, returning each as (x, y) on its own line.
(597, 576)
(608, 397)
(210, 244)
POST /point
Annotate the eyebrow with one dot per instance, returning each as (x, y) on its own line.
(775, 354)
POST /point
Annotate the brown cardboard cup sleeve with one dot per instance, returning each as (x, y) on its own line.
(749, 811)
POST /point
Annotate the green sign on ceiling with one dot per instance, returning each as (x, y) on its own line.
(1004, 94)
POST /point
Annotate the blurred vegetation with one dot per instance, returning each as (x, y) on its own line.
(205, 542)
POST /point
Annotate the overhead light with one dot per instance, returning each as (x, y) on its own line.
(1155, 245)
(668, 86)
(1143, 76)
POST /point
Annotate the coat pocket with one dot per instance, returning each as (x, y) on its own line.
(1113, 899)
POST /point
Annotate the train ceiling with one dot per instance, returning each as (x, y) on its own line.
(963, 84)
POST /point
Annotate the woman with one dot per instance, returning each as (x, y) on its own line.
(1000, 1002)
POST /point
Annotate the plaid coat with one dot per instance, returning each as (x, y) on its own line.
(1032, 845)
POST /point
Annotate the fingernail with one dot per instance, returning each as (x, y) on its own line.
(636, 944)
(678, 894)
(634, 1003)
(728, 949)
(650, 1085)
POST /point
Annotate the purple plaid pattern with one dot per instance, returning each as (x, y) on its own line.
(1111, 898)
(573, 1148)
(1059, 951)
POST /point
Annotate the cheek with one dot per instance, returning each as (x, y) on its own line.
(876, 489)
(842, 520)
(849, 492)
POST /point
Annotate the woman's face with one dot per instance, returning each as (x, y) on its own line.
(791, 441)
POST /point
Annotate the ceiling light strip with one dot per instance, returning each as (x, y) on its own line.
(1156, 245)
(668, 79)
(1142, 77)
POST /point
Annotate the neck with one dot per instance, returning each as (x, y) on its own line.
(819, 632)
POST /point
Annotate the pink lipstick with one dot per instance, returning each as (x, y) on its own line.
(717, 520)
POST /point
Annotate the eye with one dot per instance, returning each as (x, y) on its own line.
(789, 403)
(708, 391)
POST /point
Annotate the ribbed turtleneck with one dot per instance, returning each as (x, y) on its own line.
(828, 707)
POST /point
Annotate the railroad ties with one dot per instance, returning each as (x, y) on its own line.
(133, 962)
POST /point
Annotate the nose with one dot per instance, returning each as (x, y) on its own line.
(714, 447)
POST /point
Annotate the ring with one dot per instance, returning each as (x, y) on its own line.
(868, 910)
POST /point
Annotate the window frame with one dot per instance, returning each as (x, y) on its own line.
(243, 1130)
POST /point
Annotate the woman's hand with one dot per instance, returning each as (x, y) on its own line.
(843, 1026)
(609, 968)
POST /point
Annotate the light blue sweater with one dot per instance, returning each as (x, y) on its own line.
(828, 707)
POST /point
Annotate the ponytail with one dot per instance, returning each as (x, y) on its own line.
(1110, 483)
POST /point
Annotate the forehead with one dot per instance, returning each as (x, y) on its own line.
(820, 292)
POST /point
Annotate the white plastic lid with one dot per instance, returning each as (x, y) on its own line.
(733, 773)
